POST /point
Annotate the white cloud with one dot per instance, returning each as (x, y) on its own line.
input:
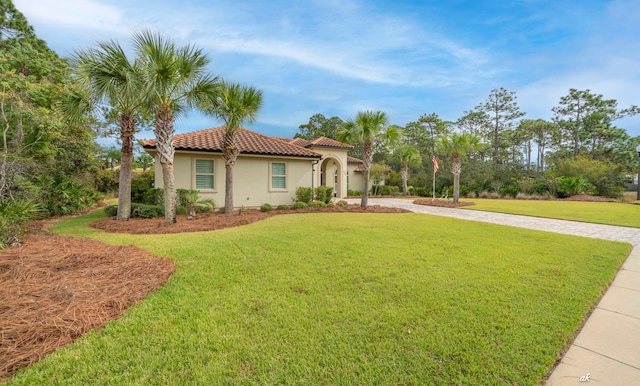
(87, 14)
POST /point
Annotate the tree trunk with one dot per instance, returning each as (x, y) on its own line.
(164, 136)
(456, 168)
(404, 173)
(367, 153)
(127, 130)
(228, 191)
(169, 193)
(230, 153)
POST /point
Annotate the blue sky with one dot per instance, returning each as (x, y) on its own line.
(407, 58)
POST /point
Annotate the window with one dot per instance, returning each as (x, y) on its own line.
(204, 174)
(278, 175)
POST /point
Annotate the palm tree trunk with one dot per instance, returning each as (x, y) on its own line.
(367, 153)
(456, 168)
(127, 130)
(164, 137)
(228, 191)
(230, 154)
(404, 174)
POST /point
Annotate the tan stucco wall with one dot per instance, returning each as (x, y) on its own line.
(251, 182)
(356, 180)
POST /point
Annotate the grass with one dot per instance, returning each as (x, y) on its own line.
(611, 213)
(345, 299)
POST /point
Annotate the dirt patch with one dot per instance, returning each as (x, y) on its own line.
(442, 203)
(56, 288)
(217, 220)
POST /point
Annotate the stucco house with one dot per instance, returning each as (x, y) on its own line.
(268, 169)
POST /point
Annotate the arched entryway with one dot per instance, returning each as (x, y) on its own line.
(331, 175)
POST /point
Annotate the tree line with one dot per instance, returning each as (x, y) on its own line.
(504, 152)
(52, 110)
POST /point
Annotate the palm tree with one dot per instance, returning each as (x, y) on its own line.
(457, 146)
(175, 81)
(407, 155)
(235, 105)
(367, 128)
(110, 78)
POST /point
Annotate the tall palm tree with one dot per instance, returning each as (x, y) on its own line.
(235, 105)
(406, 155)
(109, 76)
(175, 81)
(368, 128)
(458, 146)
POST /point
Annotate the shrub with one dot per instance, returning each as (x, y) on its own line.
(570, 186)
(342, 203)
(266, 207)
(147, 211)
(607, 178)
(324, 193)
(106, 181)
(509, 190)
(388, 190)
(142, 190)
(111, 210)
(303, 194)
(282, 207)
(181, 209)
(299, 205)
(317, 204)
(353, 193)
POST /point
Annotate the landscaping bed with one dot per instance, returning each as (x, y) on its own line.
(218, 220)
(57, 288)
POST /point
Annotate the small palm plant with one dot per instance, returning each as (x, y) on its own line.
(193, 201)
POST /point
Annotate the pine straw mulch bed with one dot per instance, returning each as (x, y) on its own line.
(56, 288)
(217, 220)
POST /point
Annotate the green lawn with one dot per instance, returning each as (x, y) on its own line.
(346, 299)
(612, 213)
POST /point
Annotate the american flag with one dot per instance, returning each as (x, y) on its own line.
(436, 166)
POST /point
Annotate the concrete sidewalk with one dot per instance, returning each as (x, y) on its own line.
(607, 349)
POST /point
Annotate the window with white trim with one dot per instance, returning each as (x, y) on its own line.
(278, 175)
(205, 174)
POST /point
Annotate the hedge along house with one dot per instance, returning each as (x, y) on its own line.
(267, 170)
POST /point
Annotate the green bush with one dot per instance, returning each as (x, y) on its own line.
(607, 178)
(106, 181)
(324, 193)
(507, 190)
(342, 203)
(266, 207)
(387, 190)
(13, 214)
(142, 190)
(147, 211)
(181, 209)
(283, 207)
(111, 210)
(317, 204)
(570, 186)
(353, 193)
(303, 194)
(299, 205)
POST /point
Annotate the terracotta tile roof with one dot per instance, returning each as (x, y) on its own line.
(359, 162)
(249, 142)
(328, 142)
(320, 142)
